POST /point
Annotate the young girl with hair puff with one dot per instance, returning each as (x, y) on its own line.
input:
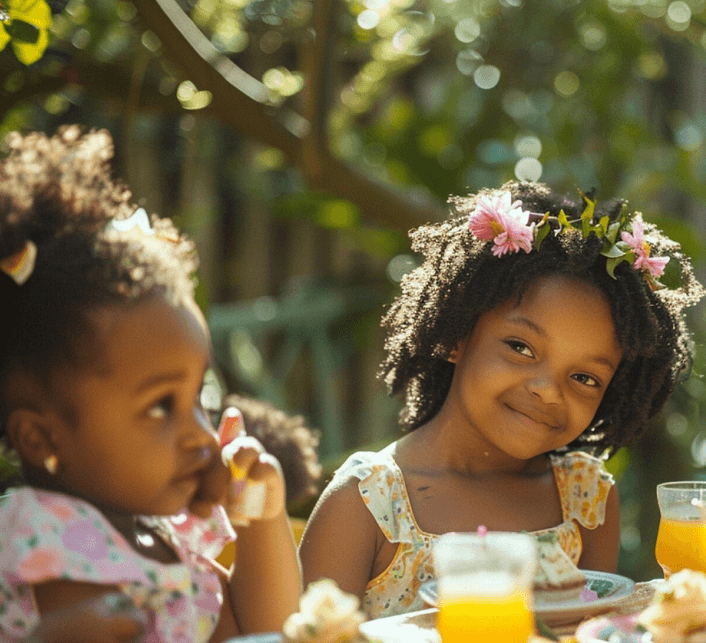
(535, 334)
(102, 360)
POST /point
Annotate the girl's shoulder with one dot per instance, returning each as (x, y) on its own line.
(29, 509)
(366, 464)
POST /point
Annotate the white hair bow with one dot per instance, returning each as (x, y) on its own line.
(137, 219)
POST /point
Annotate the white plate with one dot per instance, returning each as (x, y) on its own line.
(562, 612)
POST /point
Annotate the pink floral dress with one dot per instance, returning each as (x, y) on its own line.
(50, 536)
(581, 479)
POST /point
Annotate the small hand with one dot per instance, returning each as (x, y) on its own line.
(248, 457)
(110, 618)
(214, 487)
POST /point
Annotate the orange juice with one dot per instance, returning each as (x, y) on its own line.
(681, 544)
(500, 619)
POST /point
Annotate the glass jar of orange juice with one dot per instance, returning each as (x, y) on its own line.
(681, 540)
(484, 584)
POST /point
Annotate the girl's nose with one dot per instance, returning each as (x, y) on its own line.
(199, 434)
(545, 388)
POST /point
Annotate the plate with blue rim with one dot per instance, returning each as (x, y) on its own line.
(610, 589)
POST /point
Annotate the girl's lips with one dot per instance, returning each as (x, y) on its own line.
(535, 416)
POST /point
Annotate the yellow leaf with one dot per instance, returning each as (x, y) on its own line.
(30, 53)
(4, 38)
(36, 12)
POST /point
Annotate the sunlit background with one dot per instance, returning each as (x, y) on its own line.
(302, 139)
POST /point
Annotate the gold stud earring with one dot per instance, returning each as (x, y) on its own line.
(51, 464)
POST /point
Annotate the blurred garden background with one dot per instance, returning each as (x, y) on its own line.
(298, 140)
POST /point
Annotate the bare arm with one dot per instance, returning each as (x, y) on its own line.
(602, 544)
(265, 584)
(341, 539)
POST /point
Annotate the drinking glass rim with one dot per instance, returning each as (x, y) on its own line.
(684, 485)
(490, 537)
(517, 545)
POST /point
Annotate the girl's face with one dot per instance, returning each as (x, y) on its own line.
(140, 441)
(530, 377)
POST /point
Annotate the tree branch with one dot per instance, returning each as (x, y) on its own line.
(239, 100)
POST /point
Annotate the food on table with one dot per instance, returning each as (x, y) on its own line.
(677, 613)
(326, 615)
(556, 578)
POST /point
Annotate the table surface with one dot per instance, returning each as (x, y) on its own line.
(420, 627)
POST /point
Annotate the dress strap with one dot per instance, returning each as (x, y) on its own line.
(382, 488)
(583, 484)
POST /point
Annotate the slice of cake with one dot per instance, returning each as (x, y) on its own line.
(677, 613)
(556, 578)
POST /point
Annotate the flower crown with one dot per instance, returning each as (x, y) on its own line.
(499, 219)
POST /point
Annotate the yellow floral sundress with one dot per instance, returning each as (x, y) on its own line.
(581, 479)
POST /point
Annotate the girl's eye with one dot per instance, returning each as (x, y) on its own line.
(161, 409)
(582, 378)
(520, 347)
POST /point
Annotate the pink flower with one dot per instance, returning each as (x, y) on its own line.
(654, 266)
(496, 217)
(41, 564)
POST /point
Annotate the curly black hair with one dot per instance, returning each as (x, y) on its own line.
(289, 439)
(57, 192)
(460, 279)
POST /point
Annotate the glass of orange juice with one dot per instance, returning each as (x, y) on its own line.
(681, 540)
(484, 583)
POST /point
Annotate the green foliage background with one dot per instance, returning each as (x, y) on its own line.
(433, 97)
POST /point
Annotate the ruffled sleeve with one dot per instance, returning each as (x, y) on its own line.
(200, 539)
(583, 484)
(54, 536)
(384, 493)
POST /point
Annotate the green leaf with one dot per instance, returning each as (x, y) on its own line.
(542, 232)
(613, 230)
(587, 215)
(613, 251)
(544, 630)
(611, 263)
(563, 221)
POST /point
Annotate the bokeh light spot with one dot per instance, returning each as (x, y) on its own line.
(399, 266)
(528, 169)
(486, 76)
(688, 137)
(528, 146)
(467, 61)
(368, 19)
(593, 36)
(467, 30)
(338, 214)
(566, 83)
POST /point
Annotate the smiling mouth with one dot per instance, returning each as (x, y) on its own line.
(534, 420)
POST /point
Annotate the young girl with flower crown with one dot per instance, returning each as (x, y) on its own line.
(102, 361)
(535, 336)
